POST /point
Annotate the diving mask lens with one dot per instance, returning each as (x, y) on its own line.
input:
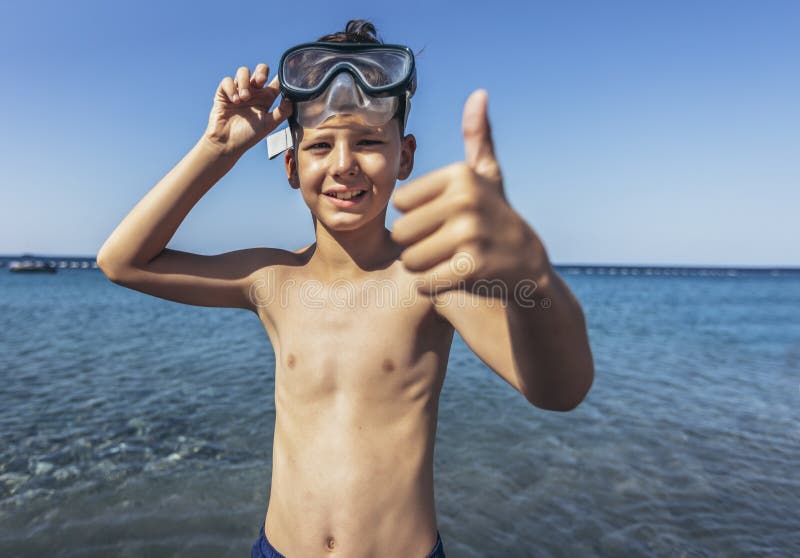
(381, 70)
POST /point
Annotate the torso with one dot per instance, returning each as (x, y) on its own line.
(357, 384)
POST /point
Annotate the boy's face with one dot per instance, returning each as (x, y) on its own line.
(343, 151)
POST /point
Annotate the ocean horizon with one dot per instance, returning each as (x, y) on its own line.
(562, 267)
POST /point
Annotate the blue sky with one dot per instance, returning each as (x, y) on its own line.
(628, 132)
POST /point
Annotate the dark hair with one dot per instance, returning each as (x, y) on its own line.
(355, 31)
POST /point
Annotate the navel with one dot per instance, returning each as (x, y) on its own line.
(388, 365)
(290, 360)
(331, 543)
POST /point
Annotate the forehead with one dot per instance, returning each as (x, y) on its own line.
(340, 124)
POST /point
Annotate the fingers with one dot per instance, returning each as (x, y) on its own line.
(228, 88)
(265, 96)
(247, 86)
(243, 83)
(259, 76)
(421, 190)
(421, 221)
(254, 93)
(279, 114)
(446, 275)
(274, 87)
(430, 251)
(262, 96)
(477, 131)
(282, 111)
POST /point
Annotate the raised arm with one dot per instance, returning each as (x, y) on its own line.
(135, 254)
(482, 264)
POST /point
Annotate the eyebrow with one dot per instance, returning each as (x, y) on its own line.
(315, 134)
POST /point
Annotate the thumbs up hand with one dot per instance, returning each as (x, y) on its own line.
(458, 228)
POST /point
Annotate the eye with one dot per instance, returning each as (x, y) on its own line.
(371, 142)
(320, 145)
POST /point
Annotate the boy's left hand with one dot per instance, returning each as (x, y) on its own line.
(459, 228)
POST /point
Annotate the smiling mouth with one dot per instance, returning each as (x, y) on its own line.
(347, 195)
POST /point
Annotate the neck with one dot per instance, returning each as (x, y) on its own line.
(351, 254)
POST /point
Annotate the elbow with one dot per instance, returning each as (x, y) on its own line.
(587, 379)
(564, 398)
(560, 405)
(109, 267)
(103, 264)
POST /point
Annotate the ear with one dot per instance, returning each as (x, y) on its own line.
(290, 163)
(407, 149)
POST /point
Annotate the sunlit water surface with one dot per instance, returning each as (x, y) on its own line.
(133, 426)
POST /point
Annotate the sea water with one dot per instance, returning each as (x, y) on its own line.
(134, 426)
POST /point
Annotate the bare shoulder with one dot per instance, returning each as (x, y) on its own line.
(262, 259)
(270, 270)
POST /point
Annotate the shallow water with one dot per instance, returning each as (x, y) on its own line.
(133, 426)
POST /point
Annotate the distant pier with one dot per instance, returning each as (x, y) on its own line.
(11, 262)
(670, 271)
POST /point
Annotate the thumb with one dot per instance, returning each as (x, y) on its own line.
(478, 145)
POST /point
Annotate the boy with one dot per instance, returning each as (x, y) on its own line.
(362, 320)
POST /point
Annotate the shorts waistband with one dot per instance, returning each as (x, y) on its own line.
(263, 549)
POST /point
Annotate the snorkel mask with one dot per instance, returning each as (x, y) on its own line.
(368, 80)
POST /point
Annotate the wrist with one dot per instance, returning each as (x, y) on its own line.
(212, 147)
(534, 263)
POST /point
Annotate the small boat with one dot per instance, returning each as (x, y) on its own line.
(31, 266)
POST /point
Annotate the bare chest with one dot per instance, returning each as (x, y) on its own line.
(376, 338)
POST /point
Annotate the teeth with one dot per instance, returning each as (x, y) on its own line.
(345, 195)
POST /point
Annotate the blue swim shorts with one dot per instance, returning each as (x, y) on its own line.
(262, 548)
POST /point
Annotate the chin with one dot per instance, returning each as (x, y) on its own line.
(350, 221)
(341, 226)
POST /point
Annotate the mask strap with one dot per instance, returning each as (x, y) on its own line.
(278, 142)
(407, 110)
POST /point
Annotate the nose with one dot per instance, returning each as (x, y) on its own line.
(343, 163)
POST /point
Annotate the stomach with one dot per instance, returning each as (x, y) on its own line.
(362, 479)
